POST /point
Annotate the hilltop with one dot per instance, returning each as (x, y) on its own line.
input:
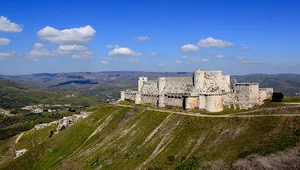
(117, 137)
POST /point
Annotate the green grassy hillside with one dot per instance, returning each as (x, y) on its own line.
(132, 138)
(14, 95)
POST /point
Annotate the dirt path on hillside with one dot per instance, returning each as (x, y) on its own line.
(240, 114)
(19, 137)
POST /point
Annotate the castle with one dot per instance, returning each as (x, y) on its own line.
(208, 90)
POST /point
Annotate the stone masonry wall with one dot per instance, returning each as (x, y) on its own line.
(254, 94)
(241, 94)
(191, 102)
(214, 103)
(178, 85)
(175, 101)
(150, 99)
(212, 82)
(130, 96)
(150, 87)
(262, 95)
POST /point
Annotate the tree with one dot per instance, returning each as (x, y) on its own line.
(277, 97)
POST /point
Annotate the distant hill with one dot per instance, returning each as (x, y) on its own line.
(15, 94)
(289, 84)
(108, 84)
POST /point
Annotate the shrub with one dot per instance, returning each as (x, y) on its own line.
(277, 97)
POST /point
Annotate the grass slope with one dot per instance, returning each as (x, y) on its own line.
(7, 147)
(133, 138)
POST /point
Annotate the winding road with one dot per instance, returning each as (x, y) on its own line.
(245, 114)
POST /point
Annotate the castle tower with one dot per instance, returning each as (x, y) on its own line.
(141, 83)
(214, 103)
(198, 79)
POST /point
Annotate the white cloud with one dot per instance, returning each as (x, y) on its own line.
(211, 42)
(39, 51)
(75, 56)
(203, 60)
(104, 62)
(178, 62)
(111, 46)
(141, 38)
(189, 48)
(77, 51)
(134, 60)
(4, 41)
(83, 55)
(184, 57)
(5, 55)
(219, 56)
(67, 36)
(71, 48)
(244, 47)
(7, 26)
(243, 60)
(153, 54)
(123, 51)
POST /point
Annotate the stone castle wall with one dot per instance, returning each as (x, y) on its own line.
(174, 101)
(254, 94)
(149, 99)
(178, 85)
(129, 95)
(241, 94)
(262, 95)
(191, 102)
(150, 87)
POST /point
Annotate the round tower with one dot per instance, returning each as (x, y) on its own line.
(214, 103)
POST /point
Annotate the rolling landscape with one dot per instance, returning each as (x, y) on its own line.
(107, 85)
(149, 85)
(143, 136)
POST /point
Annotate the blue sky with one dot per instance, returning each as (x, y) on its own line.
(238, 37)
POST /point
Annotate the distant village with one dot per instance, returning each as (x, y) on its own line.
(38, 108)
(45, 107)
